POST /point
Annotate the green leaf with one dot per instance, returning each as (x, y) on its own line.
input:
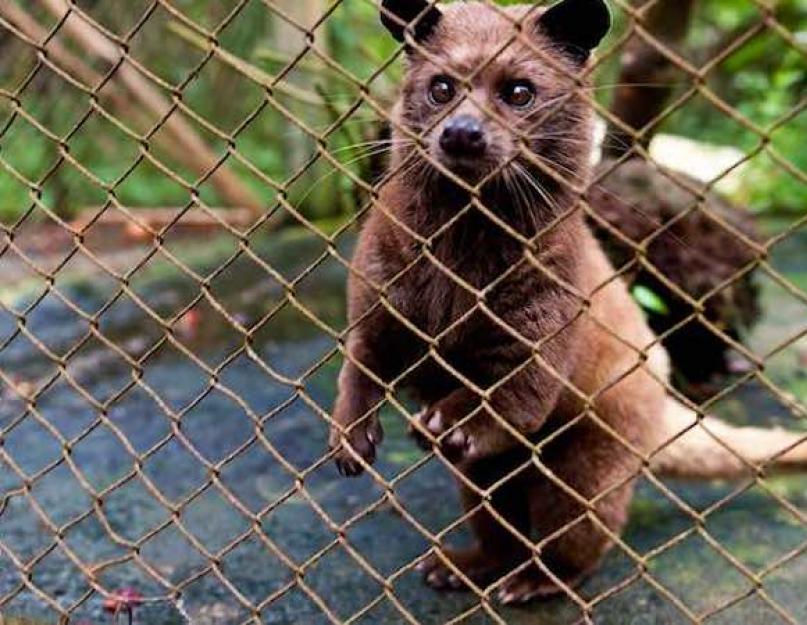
(649, 300)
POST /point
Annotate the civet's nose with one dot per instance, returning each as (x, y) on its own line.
(463, 136)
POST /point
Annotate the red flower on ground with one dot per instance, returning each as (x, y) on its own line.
(124, 600)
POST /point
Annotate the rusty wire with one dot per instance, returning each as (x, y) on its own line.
(283, 205)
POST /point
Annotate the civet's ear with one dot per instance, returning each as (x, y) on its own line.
(577, 26)
(396, 15)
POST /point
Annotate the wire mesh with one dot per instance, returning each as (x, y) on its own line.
(124, 93)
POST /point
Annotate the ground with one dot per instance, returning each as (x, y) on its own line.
(301, 500)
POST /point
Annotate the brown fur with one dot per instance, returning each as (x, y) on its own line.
(498, 340)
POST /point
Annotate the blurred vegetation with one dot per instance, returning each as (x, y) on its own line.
(764, 79)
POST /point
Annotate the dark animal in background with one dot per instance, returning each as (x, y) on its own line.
(696, 249)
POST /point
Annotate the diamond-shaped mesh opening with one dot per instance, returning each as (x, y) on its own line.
(185, 190)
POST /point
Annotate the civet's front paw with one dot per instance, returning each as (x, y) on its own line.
(456, 442)
(356, 441)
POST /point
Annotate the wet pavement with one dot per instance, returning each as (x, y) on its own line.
(163, 467)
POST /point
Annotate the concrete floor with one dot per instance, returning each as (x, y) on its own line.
(755, 530)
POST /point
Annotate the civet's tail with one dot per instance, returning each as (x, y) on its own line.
(713, 449)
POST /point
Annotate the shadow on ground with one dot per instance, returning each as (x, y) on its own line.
(173, 458)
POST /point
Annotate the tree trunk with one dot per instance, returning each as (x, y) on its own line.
(647, 76)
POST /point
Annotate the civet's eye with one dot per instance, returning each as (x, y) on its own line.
(518, 93)
(441, 90)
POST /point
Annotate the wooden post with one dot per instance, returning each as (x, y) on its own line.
(290, 41)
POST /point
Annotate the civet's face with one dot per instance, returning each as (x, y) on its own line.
(485, 87)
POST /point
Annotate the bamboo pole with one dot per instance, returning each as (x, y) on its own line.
(79, 71)
(192, 149)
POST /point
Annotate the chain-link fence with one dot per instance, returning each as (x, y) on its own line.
(164, 447)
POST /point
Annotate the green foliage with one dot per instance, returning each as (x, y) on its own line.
(764, 80)
(649, 300)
